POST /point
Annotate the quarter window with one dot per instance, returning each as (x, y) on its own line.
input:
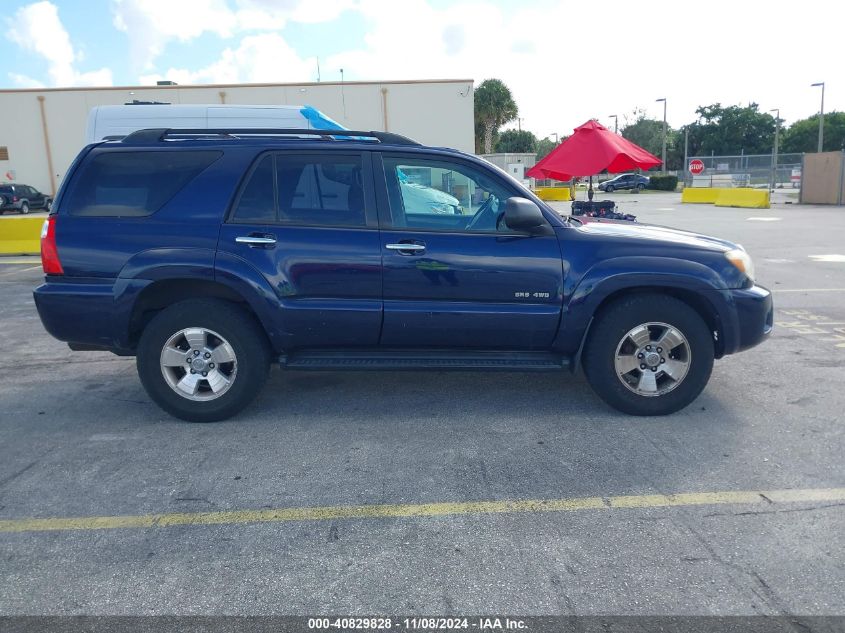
(125, 184)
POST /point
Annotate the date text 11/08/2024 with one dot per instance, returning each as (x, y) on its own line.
(418, 624)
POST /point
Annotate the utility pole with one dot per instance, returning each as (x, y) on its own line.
(775, 149)
(663, 99)
(821, 116)
(519, 123)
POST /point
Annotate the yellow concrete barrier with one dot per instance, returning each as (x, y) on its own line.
(700, 195)
(555, 194)
(20, 235)
(745, 198)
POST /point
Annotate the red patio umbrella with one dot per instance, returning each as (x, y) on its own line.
(590, 150)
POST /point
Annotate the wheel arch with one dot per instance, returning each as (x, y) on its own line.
(162, 293)
(695, 300)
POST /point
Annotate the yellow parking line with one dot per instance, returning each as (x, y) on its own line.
(326, 513)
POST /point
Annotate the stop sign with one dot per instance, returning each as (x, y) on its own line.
(696, 166)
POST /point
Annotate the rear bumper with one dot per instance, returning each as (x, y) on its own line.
(754, 316)
(78, 313)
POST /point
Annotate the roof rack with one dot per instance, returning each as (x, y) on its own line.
(156, 135)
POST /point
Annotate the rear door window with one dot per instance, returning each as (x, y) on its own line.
(308, 190)
(127, 184)
(324, 190)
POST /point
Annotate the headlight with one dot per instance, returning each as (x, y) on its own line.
(742, 261)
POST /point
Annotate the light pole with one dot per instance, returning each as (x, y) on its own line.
(775, 150)
(615, 122)
(663, 99)
(821, 116)
(519, 123)
(555, 135)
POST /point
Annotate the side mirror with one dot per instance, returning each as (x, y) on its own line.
(523, 215)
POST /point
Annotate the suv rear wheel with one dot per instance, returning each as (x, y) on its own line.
(649, 355)
(25, 208)
(203, 360)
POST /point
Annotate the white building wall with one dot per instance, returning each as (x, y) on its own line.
(432, 112)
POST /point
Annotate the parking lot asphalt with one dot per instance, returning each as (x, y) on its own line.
(355, 493)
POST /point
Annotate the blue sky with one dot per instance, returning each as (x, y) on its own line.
(565, 61)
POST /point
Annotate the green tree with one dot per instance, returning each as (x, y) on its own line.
(648, 134)
(803, 135)
(516, 141)
(544, 146)
(730, 130)
(494, 106)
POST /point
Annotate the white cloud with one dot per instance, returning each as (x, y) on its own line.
(151, 24)
(265, 57)
(24, 81)
(37, 28)
(568, 62)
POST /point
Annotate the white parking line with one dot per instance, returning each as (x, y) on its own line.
(18, 270)
(764, 219)
(828, 258)
(779, 290)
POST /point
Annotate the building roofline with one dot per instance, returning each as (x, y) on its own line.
(241, 85)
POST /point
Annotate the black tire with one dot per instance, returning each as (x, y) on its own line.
(640, 187)
(609, 189)
(48, 204)
(239, 328)
(622, 316)
(24, 208)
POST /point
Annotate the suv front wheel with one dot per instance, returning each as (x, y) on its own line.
(203, 360)
(649, 355)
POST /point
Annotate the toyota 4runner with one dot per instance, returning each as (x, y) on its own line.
(210, 254)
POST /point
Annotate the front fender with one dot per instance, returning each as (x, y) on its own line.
(611, 276)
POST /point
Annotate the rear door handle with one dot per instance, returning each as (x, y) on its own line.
(256, 241)
(406, 249)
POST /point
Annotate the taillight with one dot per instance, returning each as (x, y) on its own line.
(49, 253)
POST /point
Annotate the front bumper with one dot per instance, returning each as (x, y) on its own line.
(754, 316)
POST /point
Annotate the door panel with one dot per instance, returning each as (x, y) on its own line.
(320, 250)
(466, 287)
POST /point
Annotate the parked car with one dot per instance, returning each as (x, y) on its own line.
(624, 181)
(210, 257)
(22, 198)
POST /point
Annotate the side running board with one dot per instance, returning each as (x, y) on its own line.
(372, 360)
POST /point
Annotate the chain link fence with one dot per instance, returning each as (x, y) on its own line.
(746, 170)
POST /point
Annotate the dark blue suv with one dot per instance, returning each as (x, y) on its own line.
(209, 254)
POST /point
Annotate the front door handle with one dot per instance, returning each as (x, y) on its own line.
(406, 249)
(257, 241)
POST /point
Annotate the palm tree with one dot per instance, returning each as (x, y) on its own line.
(494, 106)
